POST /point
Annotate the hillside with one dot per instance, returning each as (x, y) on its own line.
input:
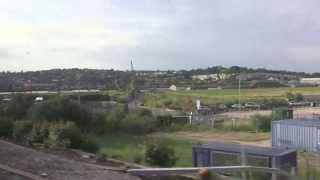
(216, 76)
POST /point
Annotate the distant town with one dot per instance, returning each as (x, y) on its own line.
(209, 78)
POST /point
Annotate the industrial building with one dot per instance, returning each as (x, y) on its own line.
(220, 154)
(300, 134)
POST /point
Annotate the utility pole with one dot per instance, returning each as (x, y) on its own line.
(239, 92)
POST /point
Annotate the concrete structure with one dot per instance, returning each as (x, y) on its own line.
(220, 154)
(300, 134)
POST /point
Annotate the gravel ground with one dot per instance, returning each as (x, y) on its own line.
(57, 168)
(9, 176)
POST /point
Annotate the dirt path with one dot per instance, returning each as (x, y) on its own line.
(58, 168)
(306, 112)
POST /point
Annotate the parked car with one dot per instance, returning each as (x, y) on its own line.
(303, 103)
(238, 106)
(252, 105)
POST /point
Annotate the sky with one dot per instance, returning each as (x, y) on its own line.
(159, 34)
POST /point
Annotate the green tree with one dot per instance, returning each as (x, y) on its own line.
(61, 108)
(6, 127)
(290, 96)
(262, 122)
(18, 107)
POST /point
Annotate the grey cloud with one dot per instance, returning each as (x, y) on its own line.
(176, 34)
(4, 53)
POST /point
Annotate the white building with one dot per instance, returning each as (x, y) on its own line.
(173, 88)
(38, 99)
(310, 81)
(214, 77)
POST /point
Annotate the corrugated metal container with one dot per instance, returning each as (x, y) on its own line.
(301, 134)
(221, 154)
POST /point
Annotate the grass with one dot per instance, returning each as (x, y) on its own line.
(217, 96)
(128, 147)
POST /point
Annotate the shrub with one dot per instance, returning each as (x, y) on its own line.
(114, 121)
(137, 158)
(294, 96)
(64, 134)
(39, 132)
(271, 103)
(21, 130)
(60, 108)
(137, 124)
(160, 154)
(6, 127)
(89, 145)
(262, 122)
(19, 105)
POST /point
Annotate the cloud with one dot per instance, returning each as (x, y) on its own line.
(159, 34)
(304, 54)
(4, 54)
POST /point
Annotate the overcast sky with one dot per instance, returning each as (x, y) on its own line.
(159, 34)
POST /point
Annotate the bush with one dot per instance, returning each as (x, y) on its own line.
(6, 127)
(17, 108)
(64, 134)
(137, 124)
(262, 122)
(138, 158)
(60, 108)
(140, 122)
(39, 132)
(21, 130)
(114, 121)
(271, 103)
(89, 145)
(294, 96)
(160, 154)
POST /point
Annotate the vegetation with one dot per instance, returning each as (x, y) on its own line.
(270, 97)
(297, 97)
(132, 147)
(57, 122)
(160, 154)
(262, 122)
(135, 136)
(64, 79)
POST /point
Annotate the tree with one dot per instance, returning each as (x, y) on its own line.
(262, 122)
(6, 126)
(61, 108)
(18, 107)
(294, 96)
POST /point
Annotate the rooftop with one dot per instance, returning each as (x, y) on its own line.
(300, 122)
(253, 150)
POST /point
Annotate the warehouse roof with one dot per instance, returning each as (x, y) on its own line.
(253, 150)
(300, 122)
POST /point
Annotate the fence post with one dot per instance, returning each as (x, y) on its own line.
(243, 162)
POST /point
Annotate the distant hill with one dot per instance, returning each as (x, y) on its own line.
(216, 76)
